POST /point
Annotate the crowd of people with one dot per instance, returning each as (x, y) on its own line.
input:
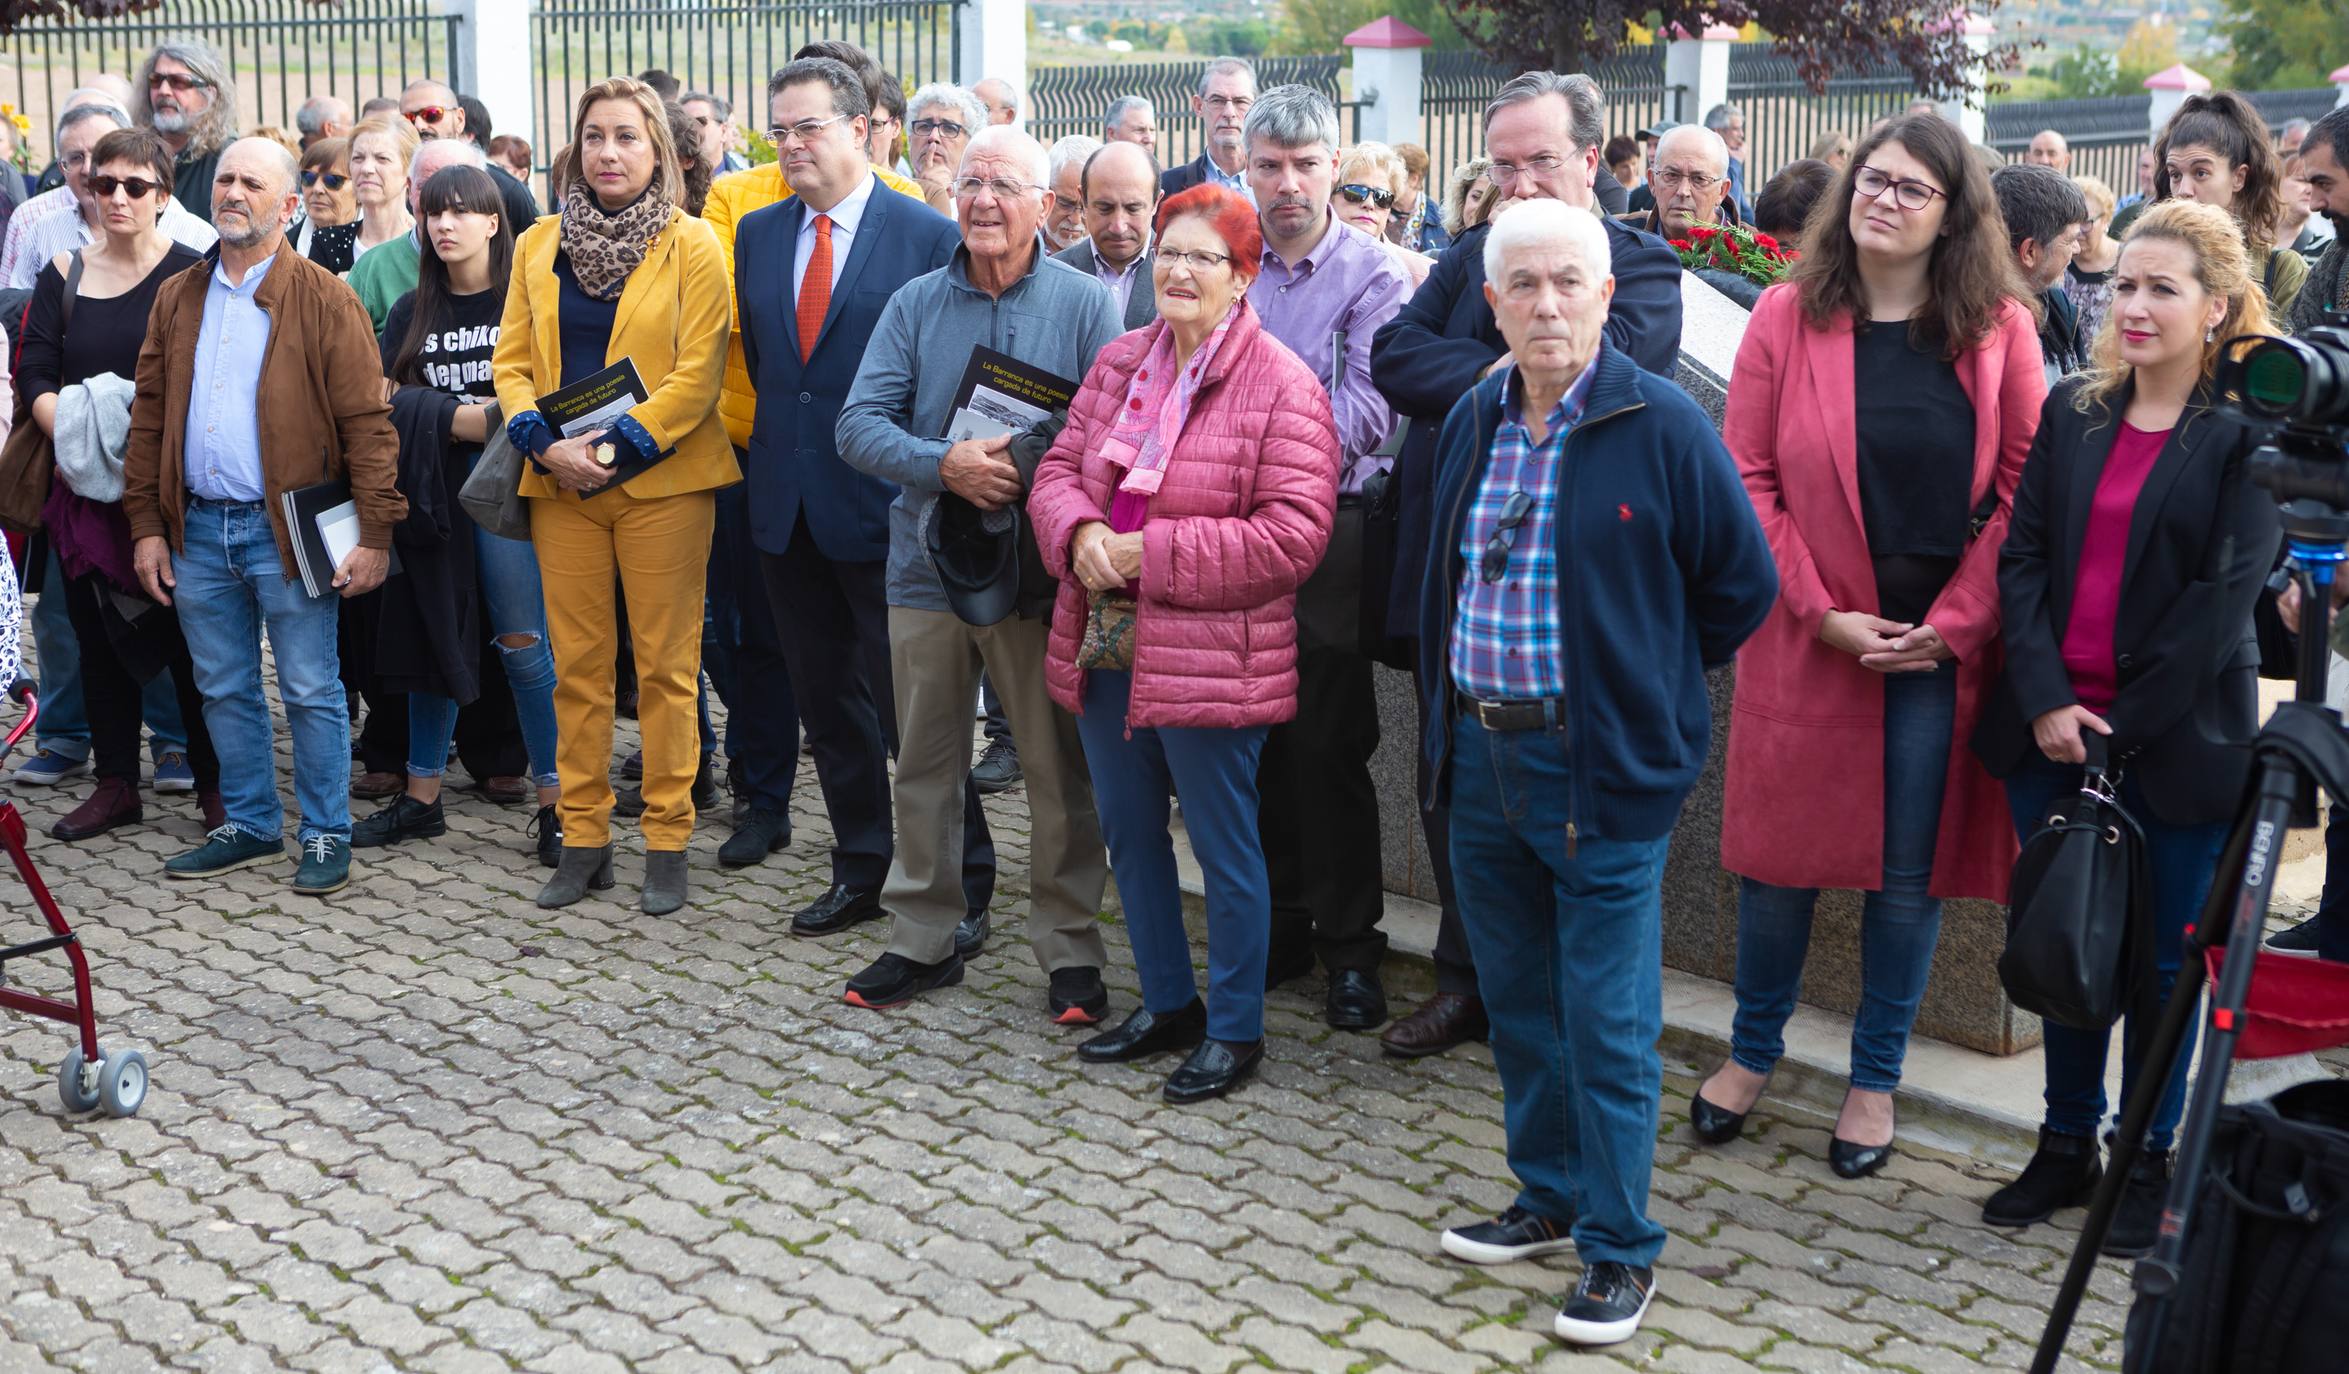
(1275, 416)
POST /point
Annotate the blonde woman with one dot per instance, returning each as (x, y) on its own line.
(380, 149)
(2088, 281)
(1370, 178)
(1470, 197)
(623, 265)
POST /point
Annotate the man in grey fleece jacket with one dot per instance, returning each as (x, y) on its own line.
(1003, 291)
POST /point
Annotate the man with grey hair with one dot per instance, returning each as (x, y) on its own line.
(322, 117)
(1543, 131)
(61, 220)
(1324, 287)
(712, 116)
(2049, 149)
(2290, 137)
(104, 89)
(940, 121)
(186, 93)
(1689, 184)
(1596, 555)
(387, 271)
(1001, 98)
(1227, 88)
(435, 111)
(998, 292)
(259, 376)
(1131, 119)
(1728, 121)
(1064, 226)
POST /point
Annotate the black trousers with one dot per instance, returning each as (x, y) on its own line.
(832, 619)
(1318, 816)
(111, 694)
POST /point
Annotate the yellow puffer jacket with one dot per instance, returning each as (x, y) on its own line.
(731, 197)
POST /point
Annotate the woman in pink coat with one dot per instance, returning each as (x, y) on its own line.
(1880, 408)
(1190, 494)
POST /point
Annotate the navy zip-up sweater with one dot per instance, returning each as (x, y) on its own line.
(1663, 572)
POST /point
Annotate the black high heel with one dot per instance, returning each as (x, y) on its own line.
(1713, 1125)
(1850, 1160)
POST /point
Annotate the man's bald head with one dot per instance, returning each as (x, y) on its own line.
(426, 87)
(1697, 145)
(431, 108)
(1002, 142)
(1689, 180)
(253, 192)
(432, 156)
(1121, 198)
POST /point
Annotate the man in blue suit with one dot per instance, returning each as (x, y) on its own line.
(811, 275)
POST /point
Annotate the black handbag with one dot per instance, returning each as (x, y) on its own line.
(2079, 945)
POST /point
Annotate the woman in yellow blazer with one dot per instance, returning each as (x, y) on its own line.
(621, 273)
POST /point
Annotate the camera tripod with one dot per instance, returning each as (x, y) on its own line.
(2301, 749)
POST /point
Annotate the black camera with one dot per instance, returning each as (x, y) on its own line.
(2299, 388)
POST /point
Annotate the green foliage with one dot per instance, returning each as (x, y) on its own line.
(1320, 26)
(2285, 44)
(1231, 37)
(2084, 73)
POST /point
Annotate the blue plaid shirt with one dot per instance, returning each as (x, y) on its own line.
(1505, 637)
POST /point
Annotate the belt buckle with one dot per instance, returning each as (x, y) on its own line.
(1492, 715)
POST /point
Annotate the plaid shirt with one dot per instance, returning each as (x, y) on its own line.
(1505, 638)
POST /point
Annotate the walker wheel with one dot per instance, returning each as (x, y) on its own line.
(70, 1081)
(122, 1083)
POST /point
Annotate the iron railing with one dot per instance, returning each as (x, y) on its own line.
(1072, 100)
(1456, 86)
(2107, 134)
(726, 49)
(1783, 118)
(282, 52)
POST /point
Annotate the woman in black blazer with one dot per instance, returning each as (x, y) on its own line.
(2136, 550)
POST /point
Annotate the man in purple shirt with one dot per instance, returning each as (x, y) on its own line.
(1324, 290)
(1120, 189)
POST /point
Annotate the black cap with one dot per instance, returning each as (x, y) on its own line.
(976, 554)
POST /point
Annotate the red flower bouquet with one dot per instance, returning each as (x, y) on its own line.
(1738, 248)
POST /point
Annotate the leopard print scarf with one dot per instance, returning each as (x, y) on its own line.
(606, 246)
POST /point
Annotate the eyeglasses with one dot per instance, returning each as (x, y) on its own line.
(1870, 184)
(1497, 548)
(1502, 173)
(182, 82)
(1003, 188)
(805, 130)
(104, 186)
(1196, 261)
(944, 128)
(428, 114)
(1229, 104)
(335, 181)
(1359, 194)
(1699, 182)
(1066, 206)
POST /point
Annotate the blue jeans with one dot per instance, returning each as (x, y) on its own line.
(507, 570)
(1215, 771)
(231, 587)
(2182, 860)
(1569, 947)
(1900, 922)
(64, 727)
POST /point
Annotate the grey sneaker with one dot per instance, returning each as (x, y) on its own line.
(326, 865)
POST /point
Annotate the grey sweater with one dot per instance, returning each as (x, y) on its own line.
(1055, 318)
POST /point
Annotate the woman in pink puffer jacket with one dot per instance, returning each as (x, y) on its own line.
(1190, 494)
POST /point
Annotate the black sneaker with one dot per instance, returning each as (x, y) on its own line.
(402, 818)
(971, 932)
(894, 979)
(1077, 996)
(2299, 941)
(547, 829)
(1513, 1235)
(1607, 1305)
(2136, 1223)
(998, 768)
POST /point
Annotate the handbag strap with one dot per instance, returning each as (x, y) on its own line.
(73, 288)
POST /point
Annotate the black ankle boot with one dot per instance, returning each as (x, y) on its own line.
(579, 870)
(664, 881)
(2137, 1221)
(2062, 1173)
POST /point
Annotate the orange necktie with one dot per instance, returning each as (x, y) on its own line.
(815, 289)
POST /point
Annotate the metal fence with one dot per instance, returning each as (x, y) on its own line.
(1071, 100)
(2107, 134)
(728, 50)
(282, 51)
(1783, 119)
(1456, 86)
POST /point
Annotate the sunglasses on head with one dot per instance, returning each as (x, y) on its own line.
(335, 181)
(139, 188)
(429, 114)
(1358, 194)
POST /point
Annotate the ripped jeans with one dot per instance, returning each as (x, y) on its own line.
(507, 570)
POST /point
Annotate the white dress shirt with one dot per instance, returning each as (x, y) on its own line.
(845, 217)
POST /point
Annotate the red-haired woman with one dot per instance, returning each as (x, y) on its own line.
(1190, 494)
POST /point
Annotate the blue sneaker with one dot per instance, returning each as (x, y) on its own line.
(223, 850)
(47, 767)
(172, 773)
(326, 865)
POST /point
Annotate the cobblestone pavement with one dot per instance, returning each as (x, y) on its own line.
(425, 1126)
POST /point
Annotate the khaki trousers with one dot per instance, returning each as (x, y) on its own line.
(935, 660)
(659, 550)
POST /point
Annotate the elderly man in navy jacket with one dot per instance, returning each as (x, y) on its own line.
(1593, 554)
(1543, 132)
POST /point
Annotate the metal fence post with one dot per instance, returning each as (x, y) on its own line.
(1387, 80)
(1968, 109)
(1698, 70)
(2168, 90)
(492, 60)
(991, 40)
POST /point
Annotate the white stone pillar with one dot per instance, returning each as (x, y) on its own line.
(2340, 80)
(2167, 90)
(1386, 57)
(1967, 109)
(1699, 66)
(493, 64)
(994, 42)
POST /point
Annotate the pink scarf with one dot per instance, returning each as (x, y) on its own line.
(1156, 407)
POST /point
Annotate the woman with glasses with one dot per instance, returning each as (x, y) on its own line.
(1189, 496)
(885, 130)
(1369, 178)
(83, 334)
(1883, 400)
(327, 233)
(380, 149)
(621, 273)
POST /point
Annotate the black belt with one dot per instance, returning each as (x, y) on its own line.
(1538, 713)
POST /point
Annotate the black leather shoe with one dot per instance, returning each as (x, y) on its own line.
(998, 768)
(970, 934)
(546, 828)
(1439, 1023)
(1145, 1033)
(2062, 1173)
(893, 979)
(1856, 1161)
(836, 911)
(1713, 1125)
(1214, 1069)
(1356, 1001)
(760, 834)
(404, 818)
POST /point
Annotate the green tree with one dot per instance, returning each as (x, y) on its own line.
(2150, 47)
(2285, 44)
(1320, 26)
(2083, 73)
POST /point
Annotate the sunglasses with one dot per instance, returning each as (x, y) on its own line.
(335, 181)
(140, 188)
(178, 81)
(1496, 549)
(1358, 194)
(429, 114)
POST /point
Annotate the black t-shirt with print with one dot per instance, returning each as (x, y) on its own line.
(456, 356)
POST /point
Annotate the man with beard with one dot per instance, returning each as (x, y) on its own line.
(1226, 89)
(205, 468)
(185, 94)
